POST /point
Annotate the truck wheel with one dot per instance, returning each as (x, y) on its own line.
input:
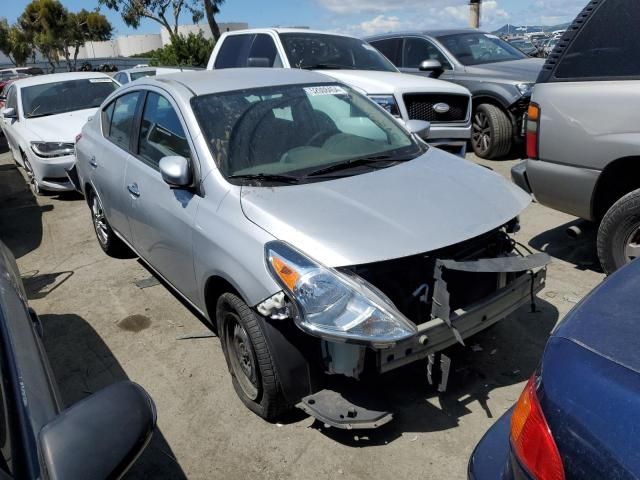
(619, 233)
(492, 132)
(108, 240)
(251, 364)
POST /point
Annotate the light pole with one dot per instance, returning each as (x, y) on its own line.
(474, 13)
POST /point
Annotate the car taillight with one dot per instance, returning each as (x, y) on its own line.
(531, 438)
(533, 128)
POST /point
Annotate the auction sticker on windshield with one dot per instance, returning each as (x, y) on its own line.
(326, 90)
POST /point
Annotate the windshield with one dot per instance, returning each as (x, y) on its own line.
(67, 96)
(480, 48)
(298, 130)
(146, 73)
(318, 51)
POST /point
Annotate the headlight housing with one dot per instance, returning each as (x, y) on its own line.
(334, 305)
(52, 149)
(388, 102)
(525, 89)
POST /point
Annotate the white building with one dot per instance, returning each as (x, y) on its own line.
(204, 28)
(123, 46)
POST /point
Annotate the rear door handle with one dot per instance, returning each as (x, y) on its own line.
(92, 162)
(133, 190)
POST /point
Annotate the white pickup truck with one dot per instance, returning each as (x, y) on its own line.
(356, 63)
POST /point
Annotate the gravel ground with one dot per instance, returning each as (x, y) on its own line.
(103, 325)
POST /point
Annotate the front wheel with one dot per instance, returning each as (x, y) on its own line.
(619, 233)
(250, 362)
(492, 132)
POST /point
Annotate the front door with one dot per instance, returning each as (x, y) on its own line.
(161, 217)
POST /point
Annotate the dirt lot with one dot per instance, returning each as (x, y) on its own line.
(107, 320)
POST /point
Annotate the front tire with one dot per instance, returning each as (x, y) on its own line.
(34, 186)
(619, 233)
(491, 132)
(108, 240)
(251, 364)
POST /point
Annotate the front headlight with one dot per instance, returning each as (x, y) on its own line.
(334, 305)
(388, 102)
(52, 149)
(525, 89)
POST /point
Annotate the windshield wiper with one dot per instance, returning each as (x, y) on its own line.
(326, 66)
(268, 177)
(356, 162)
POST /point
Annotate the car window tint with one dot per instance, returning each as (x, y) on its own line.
(417, 50)
(122, 119)
(106, 115)
(264, 48)
(607, 45)
(390, 48)
(12, 98)
(161, 133)
(234, 51)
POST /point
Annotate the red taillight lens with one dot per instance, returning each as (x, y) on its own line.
(531, 438)
(533, 127)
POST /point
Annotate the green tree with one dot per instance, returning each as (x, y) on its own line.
(14, 43)
(83, 27)
(190, 51)
(165, 12)
(44, 23)
(212, 8)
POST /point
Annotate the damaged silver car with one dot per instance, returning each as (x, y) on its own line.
(320, 238)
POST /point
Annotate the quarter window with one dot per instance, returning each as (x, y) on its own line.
(417, 50)
(161, 133)
(606, 47)
(122, 116)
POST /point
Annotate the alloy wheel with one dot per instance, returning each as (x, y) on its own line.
(99, 221)
(481, 135)
(33, 182)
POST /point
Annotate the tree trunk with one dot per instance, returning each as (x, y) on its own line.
(75, 58)
(213, 25)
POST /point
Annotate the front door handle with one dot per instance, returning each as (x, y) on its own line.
(133, 190)
(92, 162)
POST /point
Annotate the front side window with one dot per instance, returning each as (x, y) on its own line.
(417, 50)
(606, 47)
(320, 51)
(480, 48)
(296, 130)
(122, 117)
(161, 133)
(66, 96)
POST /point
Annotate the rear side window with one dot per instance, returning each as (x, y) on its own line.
(263, 51)
(390, 48)
(234, 51)
(161, 133)
(122, 116)
(607, 46)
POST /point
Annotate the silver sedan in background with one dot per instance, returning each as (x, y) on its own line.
(321, 239)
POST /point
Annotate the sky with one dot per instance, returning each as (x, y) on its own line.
(358, 17)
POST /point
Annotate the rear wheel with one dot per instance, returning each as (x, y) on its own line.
(109, 242)
(619, 233)
(251, 364)
(492, 132)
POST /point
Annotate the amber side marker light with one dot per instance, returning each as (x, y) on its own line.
(531, 439)
(533, 130)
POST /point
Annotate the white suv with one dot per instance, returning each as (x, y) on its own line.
(353, 61)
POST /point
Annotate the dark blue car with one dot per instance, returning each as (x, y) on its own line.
(579, 415)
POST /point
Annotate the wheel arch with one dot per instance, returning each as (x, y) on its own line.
(619, 177)
(214, 287)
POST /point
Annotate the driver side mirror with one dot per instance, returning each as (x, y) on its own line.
(431, 66)
(418, 127)
(9, 113)
(175, 171)
(101, 436)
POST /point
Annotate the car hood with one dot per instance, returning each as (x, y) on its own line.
(425, 204)
(59, 128)
(373, 82)
(525, 70)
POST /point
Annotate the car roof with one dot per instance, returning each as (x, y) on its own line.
(431, 33)
(58, 77)
(290, 30)
(204, 82)
(138, 69)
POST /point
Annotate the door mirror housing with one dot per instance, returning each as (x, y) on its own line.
(9, 113)
(175, 171)
(418, 127)
(101, 436)
(431, 66)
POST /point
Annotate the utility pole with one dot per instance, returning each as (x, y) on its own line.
(474, 13)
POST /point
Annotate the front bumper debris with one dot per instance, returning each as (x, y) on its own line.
(72, 175)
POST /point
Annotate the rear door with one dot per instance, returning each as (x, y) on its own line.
(109, 159)
(162, 217)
